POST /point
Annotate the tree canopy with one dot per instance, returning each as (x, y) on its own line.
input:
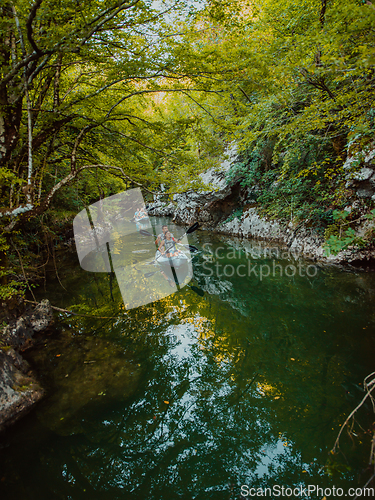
(80, 89)
(96, 97)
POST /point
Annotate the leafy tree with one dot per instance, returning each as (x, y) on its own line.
(301, 83)
(75, 86)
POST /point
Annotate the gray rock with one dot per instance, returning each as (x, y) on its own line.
(18, 361)
(189, 205)
(213, 208)
(17, 332)
(18, 392)
(364, 174)
(370, 157)
(209, 211)
(160, 209)
(42, 316)
(365, 190)
(361, 181)
(206, 206)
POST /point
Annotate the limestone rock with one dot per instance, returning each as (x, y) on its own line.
(215, 209)
(18, 392)
(42, 316)
(363, 180)
(18, 331)
(160, 209)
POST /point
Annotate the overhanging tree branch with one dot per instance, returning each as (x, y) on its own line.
(29, 25)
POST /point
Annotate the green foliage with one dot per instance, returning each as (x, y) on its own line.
(128, 99)
(105, 83)
(338, 238)
(294, 109)
(248, 171)
(4, 245)
(335, 467)
(336, 243)
(237, 214)
(371, 215)
(331, 230)
(11, 288)
(340, 215)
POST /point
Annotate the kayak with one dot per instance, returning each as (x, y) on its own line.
(175, 261)
(174, 267)
(141, 219)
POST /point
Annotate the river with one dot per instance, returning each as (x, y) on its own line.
(242, 377)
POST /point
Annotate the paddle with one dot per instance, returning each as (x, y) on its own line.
(191, 229)
(192, 248)
(197, 290)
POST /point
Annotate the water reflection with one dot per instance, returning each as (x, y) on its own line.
(107, 241)
(192, 396)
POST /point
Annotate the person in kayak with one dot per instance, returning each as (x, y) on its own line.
(143, 212)
(168, 245)
(161, 236)
(140, 213)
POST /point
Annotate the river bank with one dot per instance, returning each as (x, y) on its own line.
(19, 387)
(226, 207)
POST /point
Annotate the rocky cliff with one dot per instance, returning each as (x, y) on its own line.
(230, 209)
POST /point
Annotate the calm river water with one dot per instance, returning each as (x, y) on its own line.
(197, 394)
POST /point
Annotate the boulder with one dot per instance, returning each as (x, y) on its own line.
(22, 329)
(18, 391)
(362, 181)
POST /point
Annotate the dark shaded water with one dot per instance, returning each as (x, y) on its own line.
(192, 397)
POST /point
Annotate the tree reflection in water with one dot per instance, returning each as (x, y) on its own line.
(191, 396)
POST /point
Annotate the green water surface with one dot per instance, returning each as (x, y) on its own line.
(193, 396)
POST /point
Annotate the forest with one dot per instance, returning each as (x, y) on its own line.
(100, 96)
